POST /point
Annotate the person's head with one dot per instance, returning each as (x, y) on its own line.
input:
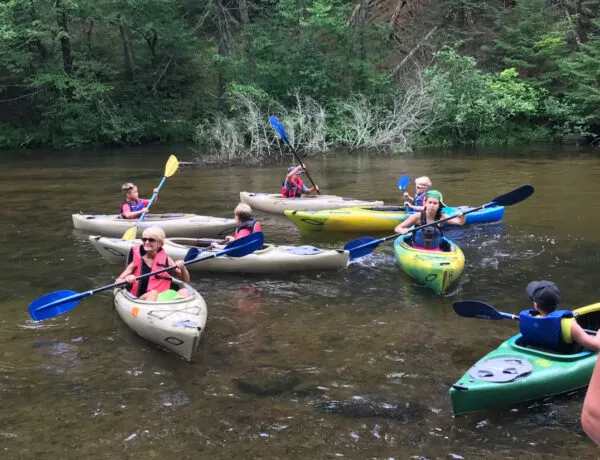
(130, 190)
(422, 184)
(544, 295)
(433, 203)
(243, 212)
(153, 238)
(300, 171)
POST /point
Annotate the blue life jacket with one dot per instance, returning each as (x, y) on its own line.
(133, 207)
(544, 332)
(429, 237)
(418, 200)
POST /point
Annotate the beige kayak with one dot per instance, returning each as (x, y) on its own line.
(175, 324)
(172, 224)
(270, 259)
(274, 203)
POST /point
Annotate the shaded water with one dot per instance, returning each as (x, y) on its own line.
(82, 385)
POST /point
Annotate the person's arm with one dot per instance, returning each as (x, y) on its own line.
(459, 219)
(293, 172)
(406, 196)
(591, 342)
(127, 213)
(590, 415)
(181, 271)
(308, 191)
(404, 226)
(127, 274)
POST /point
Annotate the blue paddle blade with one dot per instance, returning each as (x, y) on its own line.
(477, 309)
(243, 246)
(362, 246)
(192, 254)
(513, 197)
(277, 126)
(54, 304)
(403, 182)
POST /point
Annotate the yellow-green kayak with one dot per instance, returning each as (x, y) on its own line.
(356, 219)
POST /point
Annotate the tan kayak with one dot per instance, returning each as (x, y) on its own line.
(274, 203)
(172, 224)
(174, 324)
(270, 259)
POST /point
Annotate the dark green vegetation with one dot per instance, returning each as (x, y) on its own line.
(383, 74)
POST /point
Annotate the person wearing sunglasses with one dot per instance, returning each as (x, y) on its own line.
(133, 206)
(422, 186)
(150, 257)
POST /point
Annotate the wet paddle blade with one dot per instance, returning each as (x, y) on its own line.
(514, 197)
(403, 182)
(362, 246)
(478, 309)
(130, 234)
(243, 246)
(54, 304)
(192, 254)
(277, 126)
(172, 165)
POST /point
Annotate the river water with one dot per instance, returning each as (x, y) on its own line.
(82, 385)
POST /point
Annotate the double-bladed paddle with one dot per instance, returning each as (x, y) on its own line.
(366, 245)
(170, 169)
(277, 126)
(59, 302)
(403, 182)
(478, 309)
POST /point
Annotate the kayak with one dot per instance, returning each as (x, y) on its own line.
(270, 259)
(377, 218)
(516, 373)
(173, 224)
(437, 270)
(173, 324)
(274, 203)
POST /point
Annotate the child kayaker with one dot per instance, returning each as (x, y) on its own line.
(150, 257)
(430, 238)
(246, 224)
(422, 186)
(547, 327)
(293, 186)
(133, 206)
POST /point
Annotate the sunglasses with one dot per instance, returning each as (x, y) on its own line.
(149, 240)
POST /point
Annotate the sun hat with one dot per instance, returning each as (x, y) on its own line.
(544, 293)
(437, 195)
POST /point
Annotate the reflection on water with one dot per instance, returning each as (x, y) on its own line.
(354, 363)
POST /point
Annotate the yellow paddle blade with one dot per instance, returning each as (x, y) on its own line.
(130, 234)
(172, 165)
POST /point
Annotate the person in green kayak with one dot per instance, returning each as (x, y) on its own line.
(432, 237)
(293, 186)
(150, 257)
(246, 224)
(546, 326)
(415, 203)
(133, 206)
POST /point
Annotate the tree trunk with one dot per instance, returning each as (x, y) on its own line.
(245, 20)
(127, 51)
(223, 31)
(65, 43)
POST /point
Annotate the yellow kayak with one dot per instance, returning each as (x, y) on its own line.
(356, 219)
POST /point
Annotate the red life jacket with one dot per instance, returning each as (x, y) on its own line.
(158, 283)
(245, 228)
(293, 188)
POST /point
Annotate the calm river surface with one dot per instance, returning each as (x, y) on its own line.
(82, 385)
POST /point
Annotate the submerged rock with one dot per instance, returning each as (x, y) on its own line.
(267, 380)
(366, 406)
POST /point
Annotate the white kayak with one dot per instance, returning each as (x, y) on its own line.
(274, 203)
(175, 324)
(270, 259)
(173, 224)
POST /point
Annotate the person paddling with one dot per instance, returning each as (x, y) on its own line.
(431, 238)
(246, 224)
(133, 206)
(293, 186)
(150, 257)
(422, 186)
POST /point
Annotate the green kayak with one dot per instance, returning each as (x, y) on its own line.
(514, 373)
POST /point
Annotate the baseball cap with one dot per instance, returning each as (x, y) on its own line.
(291, 168)
(544, 293)
(437, 195)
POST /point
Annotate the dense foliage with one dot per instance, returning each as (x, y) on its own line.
(376, 74)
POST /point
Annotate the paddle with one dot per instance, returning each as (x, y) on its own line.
(366, 245)
(403, 182)
(170, 169)
(478, 309)
(59, 302)
(277, 126)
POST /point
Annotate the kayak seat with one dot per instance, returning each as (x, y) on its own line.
(565, 348)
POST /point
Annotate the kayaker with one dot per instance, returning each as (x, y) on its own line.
(150, 257)
(133, 206)
(246, 224)
(547, 327)
(293, 186)
(422, 186)
(590, 415)
(430, 238)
